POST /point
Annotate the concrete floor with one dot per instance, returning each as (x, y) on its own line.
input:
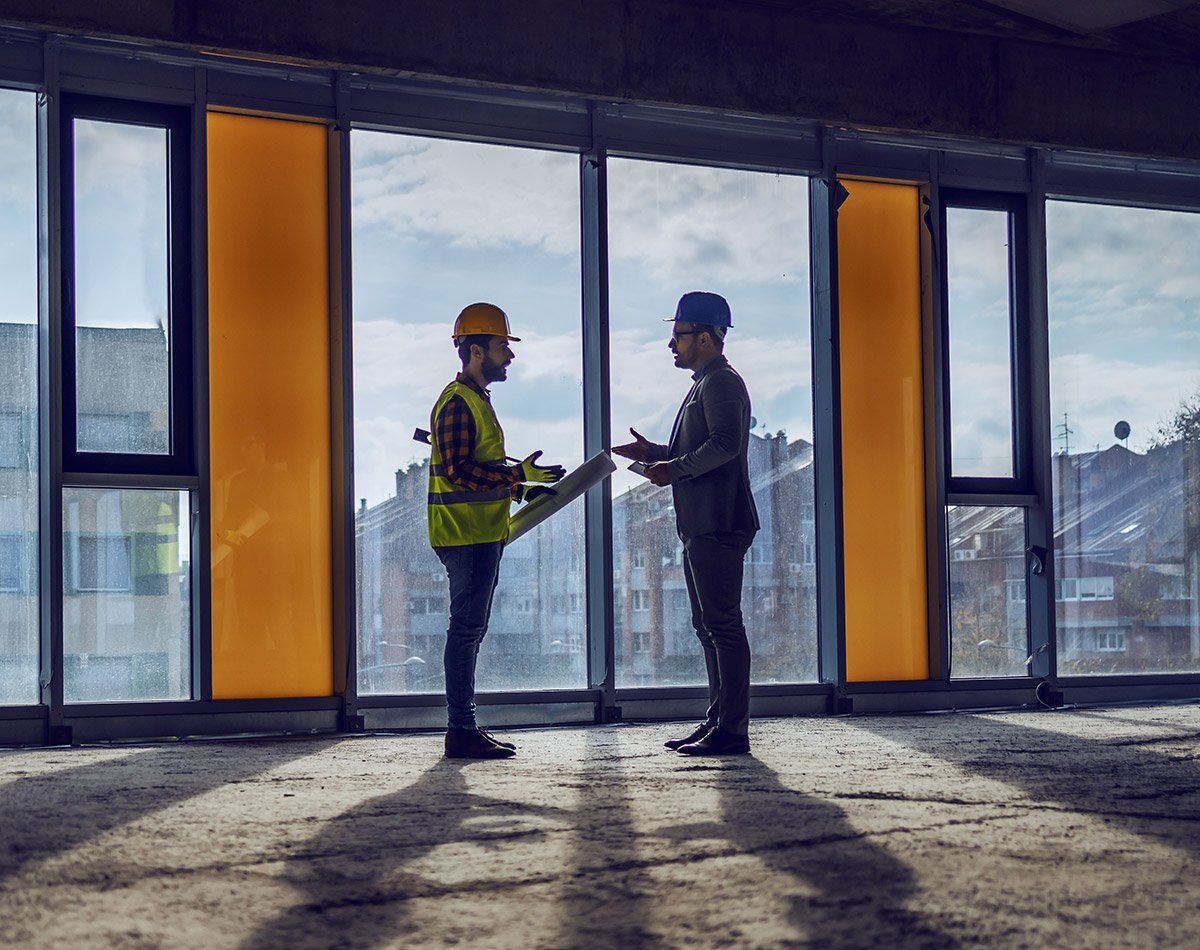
(1073, 828)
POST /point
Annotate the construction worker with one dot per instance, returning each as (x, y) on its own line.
(471, 489)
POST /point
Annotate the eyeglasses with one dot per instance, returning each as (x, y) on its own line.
(676, 334)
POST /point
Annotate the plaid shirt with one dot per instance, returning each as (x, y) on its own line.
(455, 434)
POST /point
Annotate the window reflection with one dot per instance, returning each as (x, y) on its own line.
(675, 228)
(438, 225)
(126, 613)
(18, 400)
(1125, 397)
(989, 629)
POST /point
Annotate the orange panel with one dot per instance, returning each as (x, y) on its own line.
(883, 472)
(268, 274)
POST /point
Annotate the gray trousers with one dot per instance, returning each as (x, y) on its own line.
(713, 568)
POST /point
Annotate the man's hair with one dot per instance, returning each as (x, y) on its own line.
(716, 334)
(474, 339)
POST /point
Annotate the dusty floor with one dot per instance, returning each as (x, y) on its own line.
(1077, 828)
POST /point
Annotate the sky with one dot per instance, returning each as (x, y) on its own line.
(120, 225)
(438, 224)
(18, 208)
(1124, 319)
(980, 352)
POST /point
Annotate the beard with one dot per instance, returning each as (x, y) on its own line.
(493, 370)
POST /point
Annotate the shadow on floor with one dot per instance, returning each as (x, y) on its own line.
(1125, 781)
(848, 890)
(358, 876)
(354, 877)
(48, 814)
(609, 892)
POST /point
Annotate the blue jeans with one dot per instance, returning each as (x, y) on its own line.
(473, 571)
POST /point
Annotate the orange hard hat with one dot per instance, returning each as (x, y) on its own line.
(483, 318)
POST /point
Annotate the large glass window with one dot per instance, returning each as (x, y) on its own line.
(989, 629)
(439, 225)
(18, 399)
(675, 228)
(127, 398)
(1125, 395)
(126, 605)
(980, 342)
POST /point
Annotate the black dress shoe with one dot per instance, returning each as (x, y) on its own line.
(500, 742)
(697, 734)
(718, 742)
(473, 744)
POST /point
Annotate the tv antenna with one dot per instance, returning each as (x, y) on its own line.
(1065, 432)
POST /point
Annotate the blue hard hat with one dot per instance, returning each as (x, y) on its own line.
(699, 306)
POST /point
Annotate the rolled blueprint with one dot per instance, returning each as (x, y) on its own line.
(590, 473)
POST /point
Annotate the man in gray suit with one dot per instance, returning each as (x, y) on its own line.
(705, 464)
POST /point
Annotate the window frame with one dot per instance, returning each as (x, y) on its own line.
(46, 63)
(1019, 371)
(180, 459)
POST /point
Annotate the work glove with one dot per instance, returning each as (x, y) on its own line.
(532, 472)
(529, 493)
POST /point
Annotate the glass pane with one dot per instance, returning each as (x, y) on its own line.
(1125, 396)
(989, 629)
(120, 291)
(126, 613)
(18, 400)
(674, 228)
(883, 433)
(981, 429)
(439, 225)
(269, 425)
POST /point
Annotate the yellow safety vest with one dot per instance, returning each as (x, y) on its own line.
(457, 515)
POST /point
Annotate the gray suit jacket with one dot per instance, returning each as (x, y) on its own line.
(707, 453)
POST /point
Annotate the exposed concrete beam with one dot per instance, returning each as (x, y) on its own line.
(705, 53)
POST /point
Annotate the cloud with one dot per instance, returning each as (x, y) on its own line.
(1095, 391)
(1125, 328)
(1112, 268)
(686, 225)
(465, 193)
(121, 224)
(382, 444)
(689, 226)
(1124, 318)
(977, 242)
(18, 149)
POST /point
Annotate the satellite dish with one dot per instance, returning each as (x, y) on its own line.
(753, 422)
(1121, 430)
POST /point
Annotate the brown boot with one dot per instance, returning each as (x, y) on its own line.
(473, 744)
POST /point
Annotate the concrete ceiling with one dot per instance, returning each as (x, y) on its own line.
(972, 68)
(1168, 29)
(1093, 16)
